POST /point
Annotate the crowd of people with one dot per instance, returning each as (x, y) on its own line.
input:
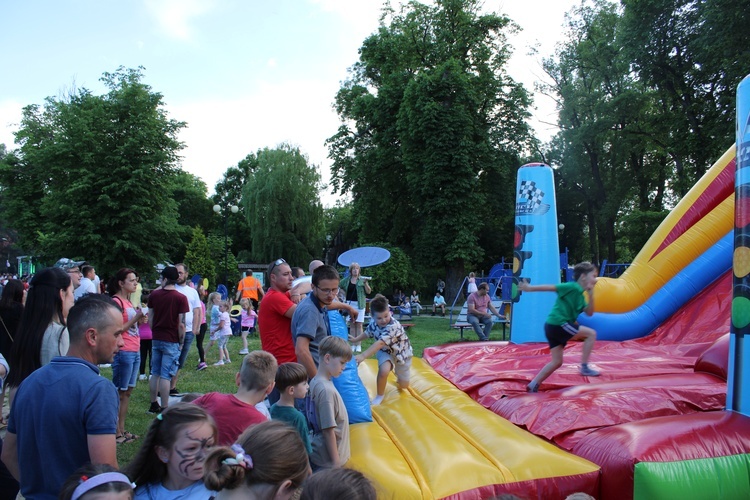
(285, 422)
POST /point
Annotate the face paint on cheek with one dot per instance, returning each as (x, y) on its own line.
(190, 460)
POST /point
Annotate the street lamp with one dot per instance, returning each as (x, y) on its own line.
(234, 209)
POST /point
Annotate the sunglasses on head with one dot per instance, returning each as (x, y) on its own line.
(277, 262)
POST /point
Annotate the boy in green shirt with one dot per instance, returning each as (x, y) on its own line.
(561, 325)
(291, 381)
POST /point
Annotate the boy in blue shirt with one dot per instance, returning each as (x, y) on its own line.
(291, 381)
(561, 325)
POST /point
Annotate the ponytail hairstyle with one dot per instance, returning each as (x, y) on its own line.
(263, 459)
(146, 468)
(113, 286)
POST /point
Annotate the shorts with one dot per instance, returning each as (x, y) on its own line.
(125, 368)
(559, 334)
(223, 341)
(402, 371)
(165, 358)
(361, 312)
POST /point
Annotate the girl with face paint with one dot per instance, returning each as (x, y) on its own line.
(170, 463)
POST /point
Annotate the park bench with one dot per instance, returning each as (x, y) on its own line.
(462, 323)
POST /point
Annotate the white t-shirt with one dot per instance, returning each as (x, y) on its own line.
(194, 301)
(87, 286)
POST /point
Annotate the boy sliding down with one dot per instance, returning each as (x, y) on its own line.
(391, 344)
(561, 325)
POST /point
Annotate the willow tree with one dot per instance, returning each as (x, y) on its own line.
(433, 130)
(281, 200)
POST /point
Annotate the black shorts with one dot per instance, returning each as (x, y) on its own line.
(560, 334)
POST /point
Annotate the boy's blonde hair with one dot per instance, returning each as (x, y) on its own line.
(258, 370)
(336, 347)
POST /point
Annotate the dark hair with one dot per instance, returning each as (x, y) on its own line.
(289, 374)
(90, 312)
(338, 483)
(298, 272)
(146, 468)
(582, 268)
(483, 286)
(113, 286)
(379, 304)
(12, 294)
(258, 370)
(276, 451)
(43, 306)
(88, 471)
(324, 273)
(86, 269)
(183, 266)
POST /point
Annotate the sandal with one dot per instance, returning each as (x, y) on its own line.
(125, 438)
(130, 436)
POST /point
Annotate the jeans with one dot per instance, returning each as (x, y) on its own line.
(474, 321)
(125, 369)
(189, 336)
(164, 359)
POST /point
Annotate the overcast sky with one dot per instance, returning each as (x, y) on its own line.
(243, 74)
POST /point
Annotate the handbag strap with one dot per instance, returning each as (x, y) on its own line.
(6, 329)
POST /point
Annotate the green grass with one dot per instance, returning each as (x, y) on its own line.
(427, 331)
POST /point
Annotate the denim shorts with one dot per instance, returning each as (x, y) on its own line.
(125, 369)
(165, 358)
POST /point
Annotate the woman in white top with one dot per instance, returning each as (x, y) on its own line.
(41, 333)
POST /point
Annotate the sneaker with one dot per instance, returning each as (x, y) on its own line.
(142, 377)
(244, 351)
(219, 363)
(376, 400)
(357, 348)
(227, 361)
(154, 408)
(174, 392)
(201, 366)
(532, 387)
(105, 365)
(588, 372)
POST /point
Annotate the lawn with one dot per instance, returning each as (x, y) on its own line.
(427, 331)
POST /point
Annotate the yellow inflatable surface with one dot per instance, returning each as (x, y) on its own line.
(434, 441)
(701, 218)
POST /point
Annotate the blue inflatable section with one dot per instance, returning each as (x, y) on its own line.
(684, 286)
(349, 385)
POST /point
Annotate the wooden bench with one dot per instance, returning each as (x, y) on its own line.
(407, 325)
(461, 325)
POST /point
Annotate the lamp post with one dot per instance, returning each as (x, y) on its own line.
(234, 209)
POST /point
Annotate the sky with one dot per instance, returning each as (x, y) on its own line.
(243, 74)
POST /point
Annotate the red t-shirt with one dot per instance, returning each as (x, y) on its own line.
(231, 415)
(275, 328)
(166, 307)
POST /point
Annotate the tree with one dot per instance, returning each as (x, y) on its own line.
(93, 176)
(433, 131)
(229, 192)
(282, 206)
(198, 257)
(193, 209)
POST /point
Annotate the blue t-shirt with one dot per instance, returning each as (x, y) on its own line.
(310, 320)
(196, 491)
(54, 411)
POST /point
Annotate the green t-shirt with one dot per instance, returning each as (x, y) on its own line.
(569, 304)
(293, 417)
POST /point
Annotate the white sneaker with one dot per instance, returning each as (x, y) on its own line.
(244, 351)
(376, 400)
(357, 348)
(142, 377)
(219, 363)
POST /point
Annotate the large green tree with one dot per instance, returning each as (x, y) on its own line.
(282, 205)
(93, 176)
(228, 192)
(433, 131)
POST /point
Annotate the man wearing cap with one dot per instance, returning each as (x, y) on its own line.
(167, 319)
(74, 272)
(250, 288)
